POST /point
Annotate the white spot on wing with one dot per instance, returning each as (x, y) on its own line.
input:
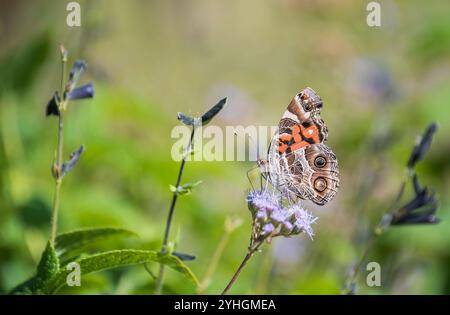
(288, 114)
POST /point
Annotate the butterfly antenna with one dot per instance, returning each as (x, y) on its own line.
(248, 172)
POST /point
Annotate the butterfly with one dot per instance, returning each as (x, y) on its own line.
(298, 163)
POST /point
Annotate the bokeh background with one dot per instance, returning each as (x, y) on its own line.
(150, 59)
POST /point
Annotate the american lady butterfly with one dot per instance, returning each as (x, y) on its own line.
(299, 164)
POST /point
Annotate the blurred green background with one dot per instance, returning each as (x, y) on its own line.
(381, 87)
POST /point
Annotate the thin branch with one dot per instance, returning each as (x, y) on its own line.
(247, 257)
(159, 280)
(382, 226)
(59, 153)
(204, 283)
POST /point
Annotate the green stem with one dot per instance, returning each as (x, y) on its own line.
(355, 273)
(382, 226)
(59, 155)
(214, 262)
(160, 278)
(55, 209)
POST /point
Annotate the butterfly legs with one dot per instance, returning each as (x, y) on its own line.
(248, 176)
(261, 178)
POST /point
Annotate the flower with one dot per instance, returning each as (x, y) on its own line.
(263, 201)
(78, 68)
(74, 157)
(303, 220)
(286, 228)
(279, 215)
(71, 92)
(84, 91)
(268, 228)
(421, 209)
(271, 218)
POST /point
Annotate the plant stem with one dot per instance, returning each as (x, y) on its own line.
(213, 263)
(59, 155)
(247, 257)
(160, 279)
(382, 226)
(355, 272)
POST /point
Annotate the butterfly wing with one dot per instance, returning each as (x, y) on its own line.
(299, 163)
(324, 169)
(301, 124)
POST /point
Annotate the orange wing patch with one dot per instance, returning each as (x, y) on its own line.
(299, 137)
(312, 132)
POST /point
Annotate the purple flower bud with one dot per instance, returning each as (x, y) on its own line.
(268, 228)
(287, 226)
(261, 215)
(272, 207)
(74, 157)
(78, 68)
(278, 216)
(85, 91)
(262, 200)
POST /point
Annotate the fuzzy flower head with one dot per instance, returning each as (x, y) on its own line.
(303, 220)
(271, 218)
(260, 203)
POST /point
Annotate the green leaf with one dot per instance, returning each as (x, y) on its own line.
(70, 242)
(205, 118)
(119, 258)
(176, 264)
(47, 269)
(49, 264)
(185, 189)
(184, 256)
(213, 111)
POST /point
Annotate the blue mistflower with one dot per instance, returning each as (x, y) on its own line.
(279, 215)
(268, 228)
(263, 200)
(303, 220)
(271, 218)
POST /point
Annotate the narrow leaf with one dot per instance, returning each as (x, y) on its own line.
(185, 189)
(422, 146)
(79, 239)
(120, 258)
(206, 118)
(184, 256)
(176, 264)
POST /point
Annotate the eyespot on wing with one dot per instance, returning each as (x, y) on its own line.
(325, 177)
